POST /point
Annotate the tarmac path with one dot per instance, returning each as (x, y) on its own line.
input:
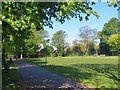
(33, 77)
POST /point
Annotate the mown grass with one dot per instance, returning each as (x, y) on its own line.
(94, 71)
(10, 80)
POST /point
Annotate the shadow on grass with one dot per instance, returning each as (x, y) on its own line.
(10, 80)
(39, 61)
(98, 75)
(88, 73)
(109, 71)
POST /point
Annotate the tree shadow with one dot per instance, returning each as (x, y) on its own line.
(36, 77)
(71, 72)
(37, 62)
(10, 80)
(90, 71)
(109, 70)
(83, 72)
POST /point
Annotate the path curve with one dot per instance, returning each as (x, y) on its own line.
(32, 76)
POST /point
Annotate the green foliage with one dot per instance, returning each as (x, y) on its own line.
(114, 43)
(20, 18)
(111, 27)
(96, 47)
(43, 34)
(46, 46)
(83, 48)
(23, 41)
(44, 52)
(18, 15)
(10, 81)
(88, 70)
(76, 50)
(31, 44)
(58, 40)
(91, 47)
(114, 3)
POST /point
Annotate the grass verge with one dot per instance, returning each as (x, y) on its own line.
(10, 80)
(97, 72)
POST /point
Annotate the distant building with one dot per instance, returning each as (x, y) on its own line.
(55, 49)
(65, 49)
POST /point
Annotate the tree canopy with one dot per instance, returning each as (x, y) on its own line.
(110, 28)
(87, 35)
(58, 40)
(21, 19)
(19, 14)
(114, 43)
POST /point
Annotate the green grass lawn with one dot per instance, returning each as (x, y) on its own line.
(94, 71)
(10, 81)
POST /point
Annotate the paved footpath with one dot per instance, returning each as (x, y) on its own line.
(35, 77)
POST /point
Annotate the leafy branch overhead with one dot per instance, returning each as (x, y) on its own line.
(21, 20)
(24, 14)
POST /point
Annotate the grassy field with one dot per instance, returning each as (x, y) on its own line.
(94, 71)
(10, 81)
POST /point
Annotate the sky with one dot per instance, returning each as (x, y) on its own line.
(71, 27)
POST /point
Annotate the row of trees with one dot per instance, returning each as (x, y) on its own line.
(22, 21)
(86, 45)
(88, 42)
(83, 46)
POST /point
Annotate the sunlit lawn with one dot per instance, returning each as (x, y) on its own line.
(10, 81)
(94, 71)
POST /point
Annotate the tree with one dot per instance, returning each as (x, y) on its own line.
(30, 45)
(96, 47)
(114, 42)
(43, 35)
(83, 48)
(76, 50)
(40, 13)
(19, 17)
(21, 14)
(46, 49)
(19, 42)
(111, 27)
(87, 35)
(91, 47)
(58, 40)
